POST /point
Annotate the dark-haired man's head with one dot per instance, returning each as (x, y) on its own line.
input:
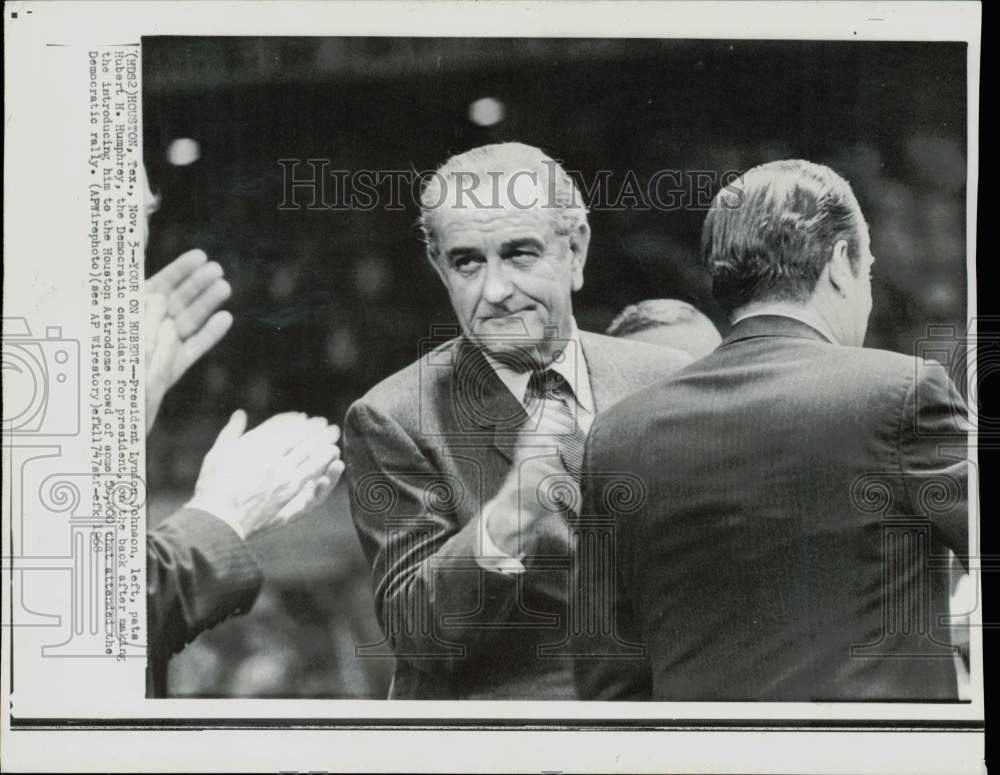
(789, 235)
(668, 323)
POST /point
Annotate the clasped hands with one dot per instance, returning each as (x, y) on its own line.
(264, 478)
(537, 489)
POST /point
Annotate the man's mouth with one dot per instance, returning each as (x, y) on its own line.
(512, 322)
(515, 315)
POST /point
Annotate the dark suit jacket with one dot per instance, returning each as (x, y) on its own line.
(198, 572)
(426, 449)
(791, 544)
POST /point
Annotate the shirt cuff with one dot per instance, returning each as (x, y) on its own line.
(491, 557)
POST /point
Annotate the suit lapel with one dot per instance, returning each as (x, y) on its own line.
(483, 401)
(608, 380)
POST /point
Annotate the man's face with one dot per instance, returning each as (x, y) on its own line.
(508, 273)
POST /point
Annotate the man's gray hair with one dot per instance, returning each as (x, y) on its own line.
(652, 313)
(486, 164)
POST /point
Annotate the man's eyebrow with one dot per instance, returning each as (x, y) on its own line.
(522, 242)
(461, 252)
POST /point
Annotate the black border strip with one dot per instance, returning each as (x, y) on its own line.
(560, 725)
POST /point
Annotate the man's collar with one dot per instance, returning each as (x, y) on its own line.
(773, 324)
(570, 364)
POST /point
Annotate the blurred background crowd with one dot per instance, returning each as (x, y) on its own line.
(329, 302)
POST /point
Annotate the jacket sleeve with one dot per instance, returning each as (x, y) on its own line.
(198, 572)
(432, 599)
(933, 455)
(610, 660)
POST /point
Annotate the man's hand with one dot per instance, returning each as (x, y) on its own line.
(537, 489)
(181, 321)
(271, 475)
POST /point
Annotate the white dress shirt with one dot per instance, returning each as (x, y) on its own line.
(571, 365)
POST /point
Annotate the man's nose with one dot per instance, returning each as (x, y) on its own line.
(497, 288)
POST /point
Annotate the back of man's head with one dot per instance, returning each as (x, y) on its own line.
(668, 323)
(769, 234)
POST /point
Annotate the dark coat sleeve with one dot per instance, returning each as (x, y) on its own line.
(432, 599)
(610, 660)
(198, 572)
(933, 456)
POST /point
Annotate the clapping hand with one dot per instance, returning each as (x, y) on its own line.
(537, 489)
(264, 478)
(182, 323)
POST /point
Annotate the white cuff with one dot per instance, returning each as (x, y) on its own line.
(491, 556)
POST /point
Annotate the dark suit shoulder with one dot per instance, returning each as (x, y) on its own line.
(845, 370)
(401, 394)
(877, 364)
(871, 382)
(824, 379)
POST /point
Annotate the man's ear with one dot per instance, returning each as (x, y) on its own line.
(579, 242)
(839, 269)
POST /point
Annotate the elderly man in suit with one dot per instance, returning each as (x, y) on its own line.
(798, 493)
(463, 466)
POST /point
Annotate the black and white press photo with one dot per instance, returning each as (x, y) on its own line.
(616, 339)
(493, 386)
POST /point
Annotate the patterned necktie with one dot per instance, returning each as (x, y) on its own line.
(558, 416)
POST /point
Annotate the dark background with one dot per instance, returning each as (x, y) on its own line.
(327, 303)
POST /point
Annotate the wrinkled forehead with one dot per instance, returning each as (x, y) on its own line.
(488, 211)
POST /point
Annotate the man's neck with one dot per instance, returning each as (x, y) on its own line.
(800, 312)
